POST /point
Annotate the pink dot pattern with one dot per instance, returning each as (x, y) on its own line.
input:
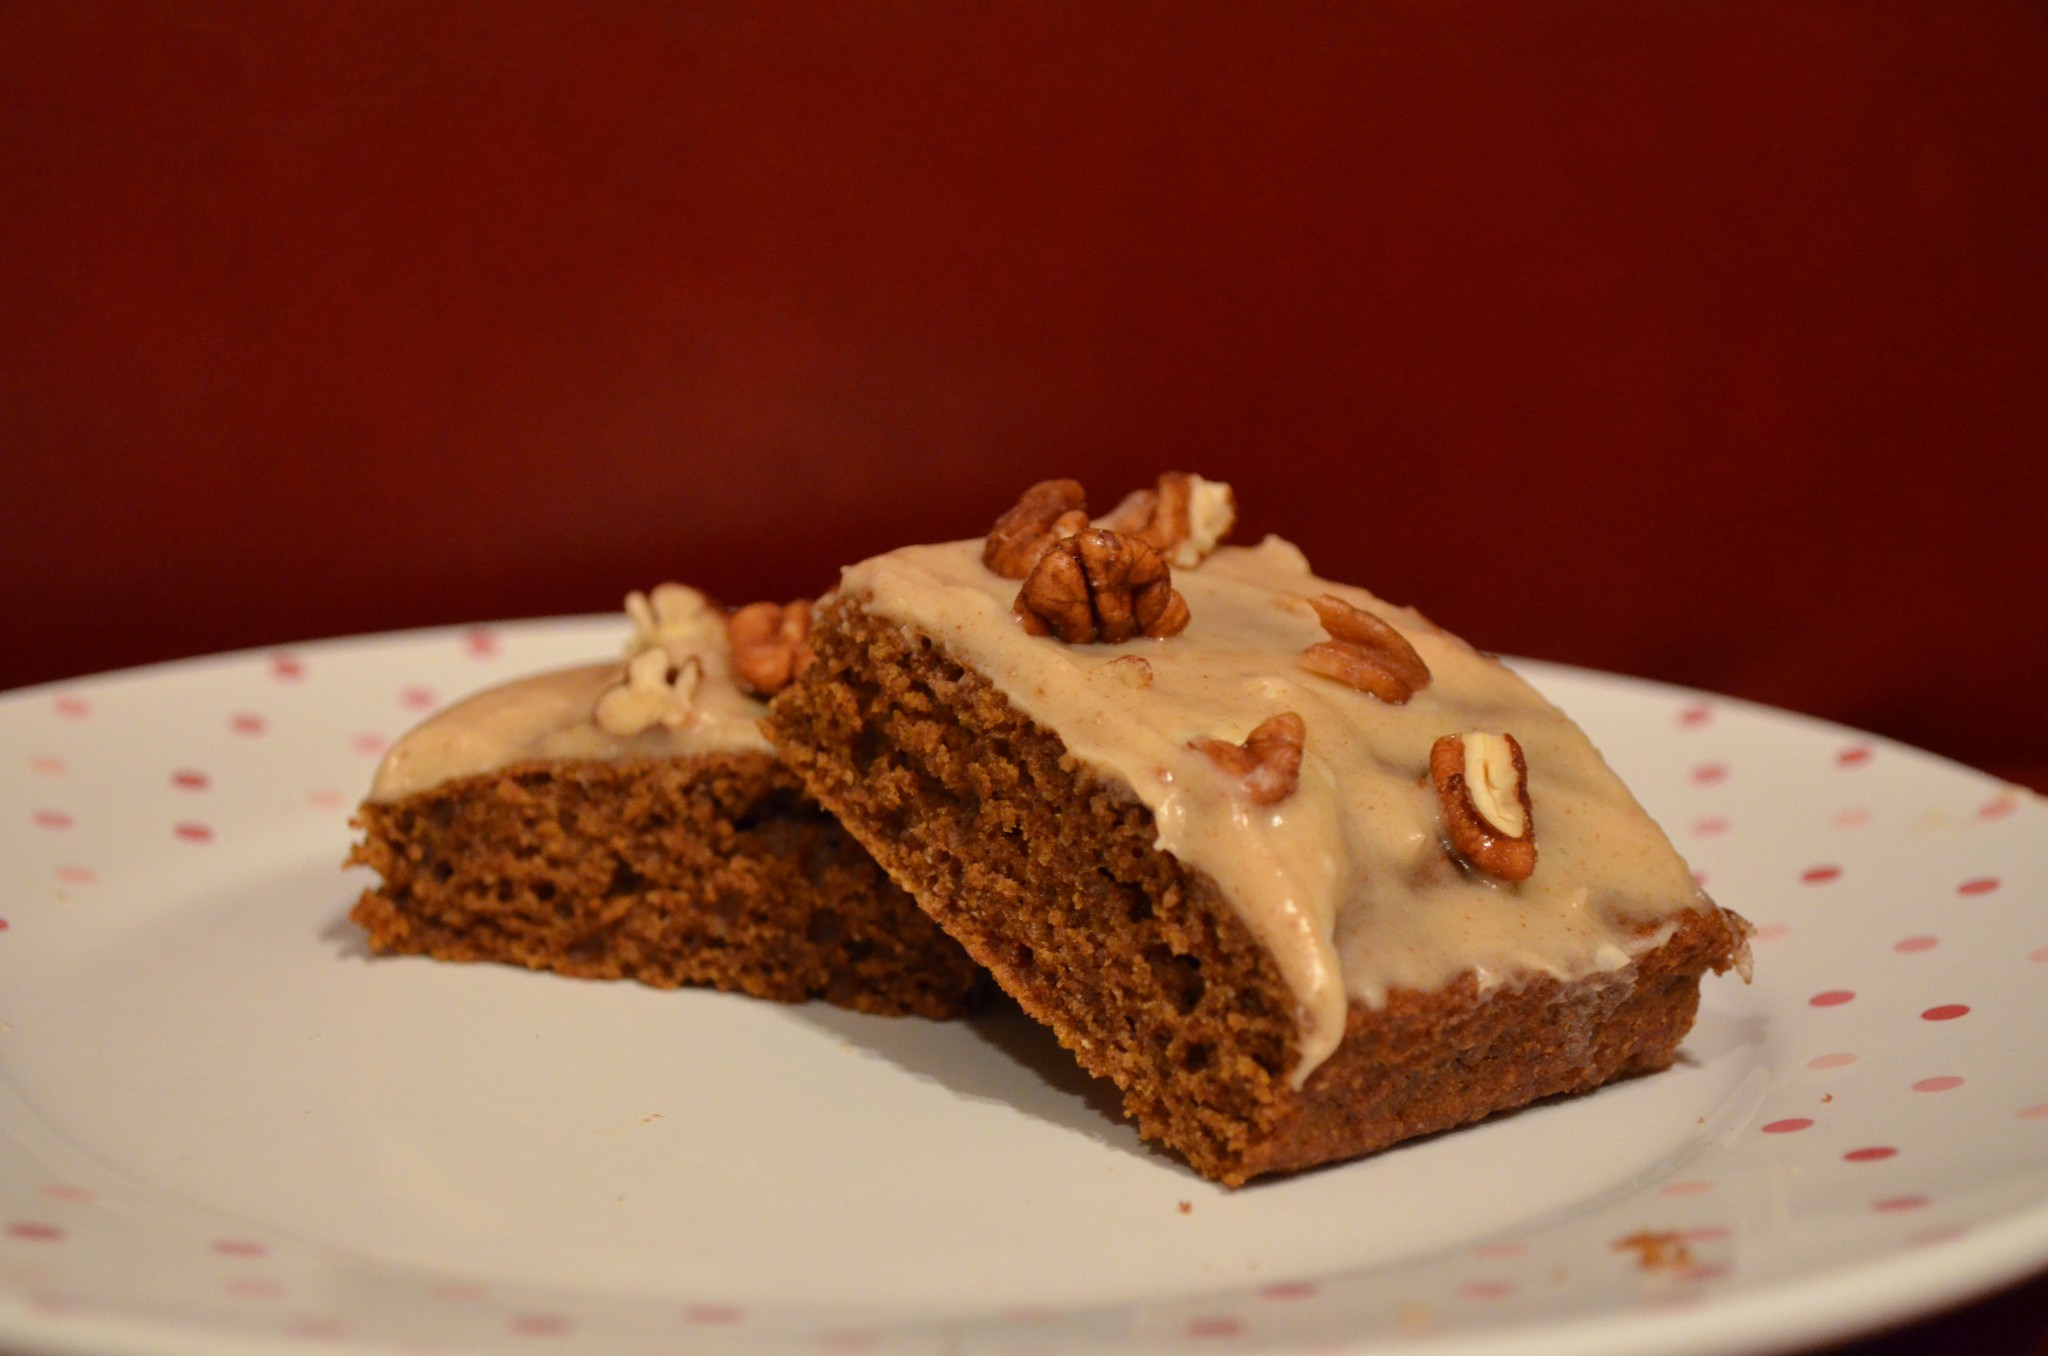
(1874, 1154)
(1290, 1290)
(2000, 807)
(1832, 998)
(255, 1288)
(1215, 1325)
(1913, 946)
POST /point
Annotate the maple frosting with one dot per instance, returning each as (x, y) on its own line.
(1347, 882)
(556, 716)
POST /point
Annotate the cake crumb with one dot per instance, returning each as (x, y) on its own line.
(1827, 1097)
(1187, 1207)
(1657, 1251)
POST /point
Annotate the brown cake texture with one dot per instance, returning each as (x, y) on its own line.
(712, 870)
(1049, 872)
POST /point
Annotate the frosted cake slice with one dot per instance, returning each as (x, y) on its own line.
(1303, 873)
(628, 820)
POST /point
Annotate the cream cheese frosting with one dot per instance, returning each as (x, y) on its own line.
(1347, 882)
(557, 716)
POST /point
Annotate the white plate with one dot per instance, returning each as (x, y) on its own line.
(224, 1128)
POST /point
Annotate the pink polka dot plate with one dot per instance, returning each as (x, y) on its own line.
(225, 1128)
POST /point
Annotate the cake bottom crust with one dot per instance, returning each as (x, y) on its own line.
(1050, 879)
(706, 871)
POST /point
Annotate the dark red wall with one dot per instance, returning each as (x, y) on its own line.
(1702, 342)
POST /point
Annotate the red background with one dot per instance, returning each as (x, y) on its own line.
(1699, 342)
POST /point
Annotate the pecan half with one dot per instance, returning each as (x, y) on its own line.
(1182, 519)
(1100, 585)
(770, 644)
(1482, 786)
(1049, 510)
(1268, 763)
(1364, 652)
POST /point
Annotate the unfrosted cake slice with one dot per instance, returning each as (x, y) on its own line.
(1304, 874)
(629, 821)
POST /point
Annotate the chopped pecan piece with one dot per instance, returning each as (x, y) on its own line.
(1049, 511)
(1134, 670)
(653, 691)
(1364, 652)
(1656, 1251)
(1268, 763)
(770, 644)
(1182, 519)
(1482, 785)
(1100, 585)
(672, 616)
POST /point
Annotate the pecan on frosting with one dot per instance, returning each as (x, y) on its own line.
(1268, 763)
(671, 616)
(1183, 518)
(1482, 787)
(770, 645)
(653, 691)
(1047, 512)
(1364, 652)
(1099, 585)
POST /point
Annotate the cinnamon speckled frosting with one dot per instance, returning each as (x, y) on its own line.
(1347, 882)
